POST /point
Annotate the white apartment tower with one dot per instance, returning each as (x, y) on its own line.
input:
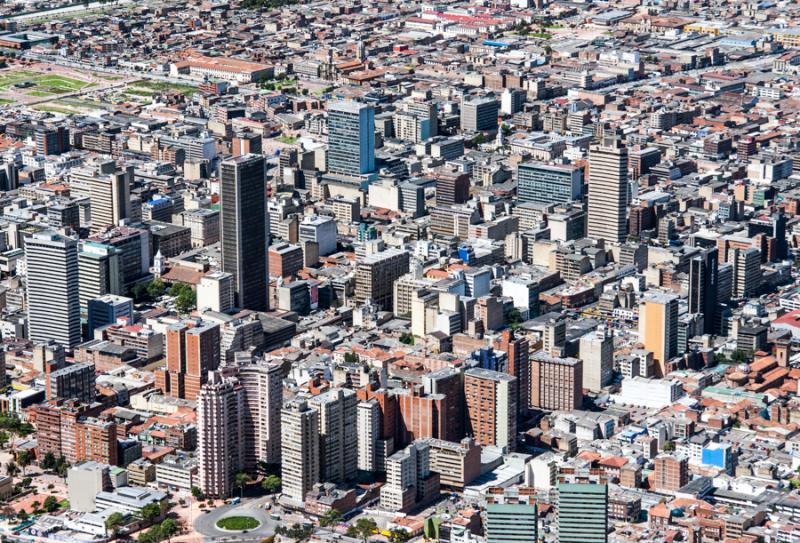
(608, 192)
(299, 449)
(220, 434)
(338, 450)
(53, 288)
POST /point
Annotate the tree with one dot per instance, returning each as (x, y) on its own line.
(50, 504)
(11, 468)
(197, 494)
(24, 460)
(363, 528)
(396, 535)
(669, 446)
(331, 517)
(169, 528)
(36, 505)
(407, 338)
(48, 461)
(155, 288)
(271, 484)
(4, 439)
(185, 297)
(114, 521)
(514, 318)
(62, 466)
(151, 512)
(241, 481)
(22, 515)
(351, 358)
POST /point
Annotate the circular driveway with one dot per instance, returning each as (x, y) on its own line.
(206, 523)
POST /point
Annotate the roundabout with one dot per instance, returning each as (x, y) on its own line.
(229, 521)
(237, 523)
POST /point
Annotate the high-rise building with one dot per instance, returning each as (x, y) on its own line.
(108, 309)
(479, 114)
(597, 353)
(320, 230)
(285, 260)
(216, 292)
(549, 184)
(449, 382)
(556, 383)
(703, 276)
(52, 140)
(73, 382)
(351, 138)
(746, 271)
(582, 513)
(245, 229)
(409, 479)
(300, 446)
(109, 194)
(220, 431)
(338, 450)
(52, 288)
(368, 422)
(670, 473)
(518, 351)
(263, 387)
(452, 188)
(376, 274)
(608, 192)
(658, 328)
(512, 519)
(491, 401)
(193, 350)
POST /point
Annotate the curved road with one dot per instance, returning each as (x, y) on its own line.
(206, 523)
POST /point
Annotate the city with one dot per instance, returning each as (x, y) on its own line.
(363, 271)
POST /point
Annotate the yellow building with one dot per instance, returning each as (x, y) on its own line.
(658, 328)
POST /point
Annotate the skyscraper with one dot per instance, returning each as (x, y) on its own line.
(608, 192)
(109, 194)
(244, 229)
(263, 388)
(351, 138)
(556, 383)
(518, 351)
(368, 419)
(703, 275)
(52, 288)
(220, 432)
(512, 519)
(338, 449)
(99, 271)
(597, 353)
(376, 274)
(193, 350)
(746, 271)
(491, 401)
(582, 513)
(549, 184)
(658, 328)
(299, 449)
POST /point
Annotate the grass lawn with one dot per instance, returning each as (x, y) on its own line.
(288, 140)
(163, 85)
(50, 108)
(238, 523)
(139, 92)
(5, 102)
(43, 84)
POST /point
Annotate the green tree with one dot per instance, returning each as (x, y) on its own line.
(24, 460)
(407, 338)
(139, 293)
(22, 515)
(151, 512)
(48, 461)
(114, 521)
(185, 297)
(155, 288)
(271, 484)
(514, 318)
(4, 439)
(35, 506)
(197, 494)
(363, 529)
(11, 468)
(50, 504)
(330, 518)
(169, 528)
(397, 535)
(241, 481)
(669, 446)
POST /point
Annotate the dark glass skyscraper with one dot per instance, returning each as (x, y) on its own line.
(703, 277)
(243, 206)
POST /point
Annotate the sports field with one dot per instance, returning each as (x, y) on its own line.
(38, 83)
